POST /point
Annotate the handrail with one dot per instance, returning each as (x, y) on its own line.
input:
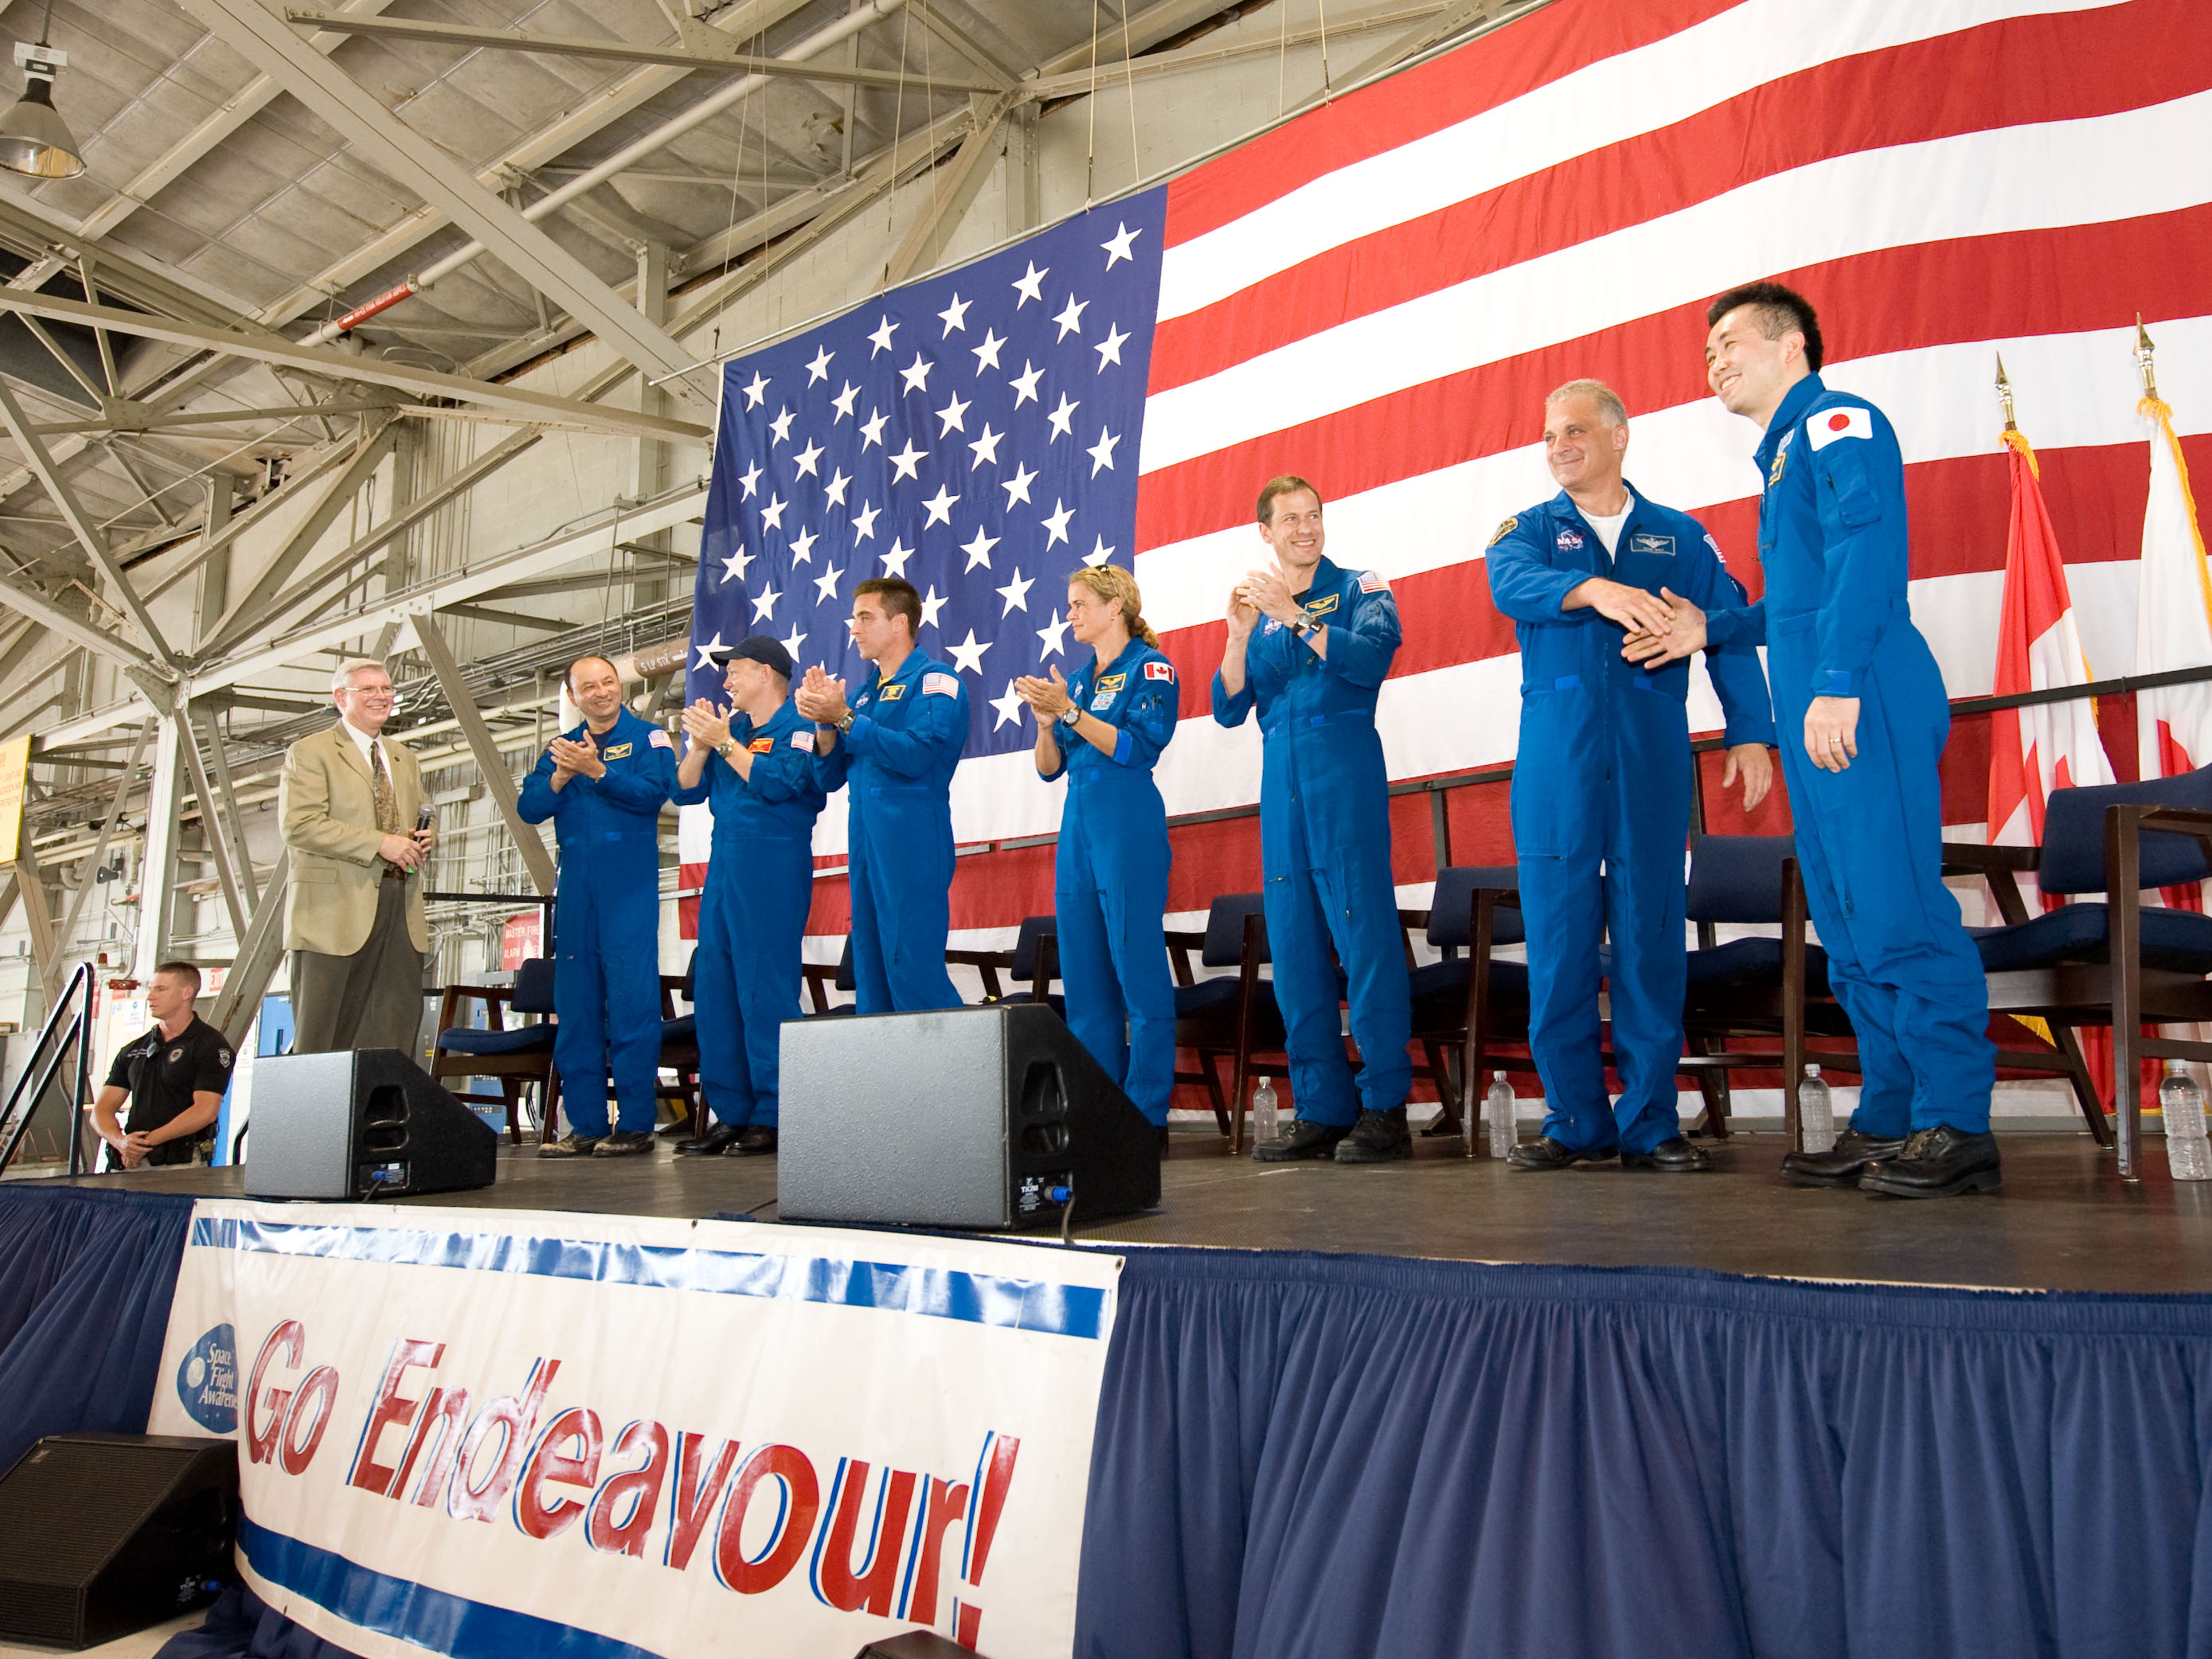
(76, 1000)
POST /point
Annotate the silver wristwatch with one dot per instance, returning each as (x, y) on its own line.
(1303, 627)
(845, 722)
(1069, 716)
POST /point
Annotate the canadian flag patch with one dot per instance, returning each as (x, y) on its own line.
(1823, 428)
(661, 739)
(1160, 671)
(942, 685)
(1371, 581)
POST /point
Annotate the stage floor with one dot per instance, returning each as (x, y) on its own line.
(2064, 1220)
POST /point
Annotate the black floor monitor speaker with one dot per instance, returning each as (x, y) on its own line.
(108, 1534)
(974, 1117)
(361, 1122)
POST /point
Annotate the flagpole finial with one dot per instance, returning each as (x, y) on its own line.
(2004, 395)
(2143, 350)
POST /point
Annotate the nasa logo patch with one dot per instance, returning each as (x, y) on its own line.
(1570, 541)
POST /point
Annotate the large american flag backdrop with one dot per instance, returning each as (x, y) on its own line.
(1379, 294)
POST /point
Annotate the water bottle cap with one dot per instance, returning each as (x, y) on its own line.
(2177, 1068)
(1812, 1071)
(1498, 1077)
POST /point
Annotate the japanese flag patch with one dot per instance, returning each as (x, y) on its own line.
(942, 685)
(1829, 424)
(661, 739)
(1160, 671)
(1372, 582)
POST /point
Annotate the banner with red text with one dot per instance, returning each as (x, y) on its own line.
(482, 1433)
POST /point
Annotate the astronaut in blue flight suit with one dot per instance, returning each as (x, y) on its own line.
(1601, 784)
(895, 745)
(603, 785)
(753, 763)
(1859, 694)
(1105, 730)
(1310, 644)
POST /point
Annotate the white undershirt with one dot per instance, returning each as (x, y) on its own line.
(1609, 528)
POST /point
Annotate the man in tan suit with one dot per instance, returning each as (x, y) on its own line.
(353, 911)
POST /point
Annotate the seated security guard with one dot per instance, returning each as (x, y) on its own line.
(1602, 782)
(603, 784)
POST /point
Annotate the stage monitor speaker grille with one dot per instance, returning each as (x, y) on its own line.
(915, 1644)
(344, 1125)
(108, 1534)
(971, 1117)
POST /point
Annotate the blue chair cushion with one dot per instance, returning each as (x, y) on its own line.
(2180, 940)
(684, 1027)
(1507, 979)
(1023, 964)
(1451, 906)
(2074, 835)
(533, 987)
(515, 1040)
(1754, 962)
(1211, 996)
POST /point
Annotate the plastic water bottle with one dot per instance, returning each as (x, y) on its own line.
(1265, 1124)
(2188, 1154)
(1816, 1112)
(1498, 1115)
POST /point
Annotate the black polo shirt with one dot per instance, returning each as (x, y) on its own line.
(162, 1074)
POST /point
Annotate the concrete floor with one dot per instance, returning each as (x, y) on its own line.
(2064, 1221)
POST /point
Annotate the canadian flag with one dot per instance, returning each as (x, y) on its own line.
(2046, 745)
(2173, 621)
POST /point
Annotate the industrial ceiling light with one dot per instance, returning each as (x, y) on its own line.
(34, 139)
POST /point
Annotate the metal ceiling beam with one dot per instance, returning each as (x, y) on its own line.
(498, 782)
(933, 19)
(1150, 27)
(400, 523)
(211, 826)
(953, 191)
(166, 167)
(130, 418)
(484, 613)
(247, 613)
(708, 56)
(38, 912)
(864, 13)
(1076, 83)
(258, 953)
(80, 525)
(1454, 19)
(19, 595)
(336, 365)
(381, 138)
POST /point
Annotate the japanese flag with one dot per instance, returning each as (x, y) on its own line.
(1830, 424)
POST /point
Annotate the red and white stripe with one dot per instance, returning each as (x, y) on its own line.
(1379, 295)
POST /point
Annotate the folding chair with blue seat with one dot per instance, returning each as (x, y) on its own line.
(2115, 962)
(1470, 1003)
(1035, 949)
(517, 1056)
(679, 1051)
(1772, 991)
(821, 979)
(1225, 1017)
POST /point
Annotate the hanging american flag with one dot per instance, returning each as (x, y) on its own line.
(1379, 294)
(975, 435)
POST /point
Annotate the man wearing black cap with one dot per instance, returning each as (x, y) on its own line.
(753, 762)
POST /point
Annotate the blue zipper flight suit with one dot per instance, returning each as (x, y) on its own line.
(752, 919)
(907, 732)
(606, 932)
(1832, 537)
(1109, 888)
(1325, 844)
(1602, 787)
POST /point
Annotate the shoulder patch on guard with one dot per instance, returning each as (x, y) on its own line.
(940, 685)
(1160, 671)
(1503, 532)
(661, 739)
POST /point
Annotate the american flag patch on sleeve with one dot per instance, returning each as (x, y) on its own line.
(803, 740)
(661, 739)
(1371, 581)
(944, 685)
